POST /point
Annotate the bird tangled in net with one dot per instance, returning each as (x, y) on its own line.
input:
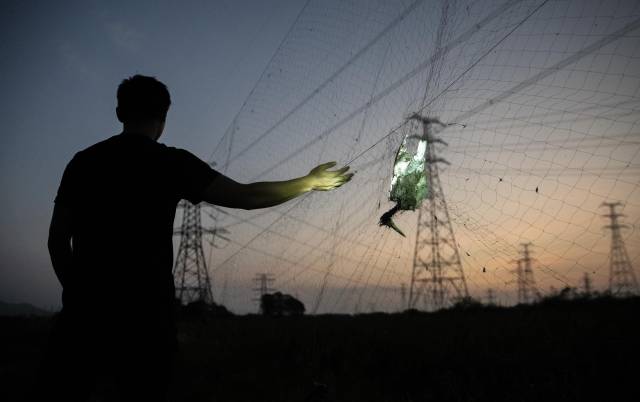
(410, 184)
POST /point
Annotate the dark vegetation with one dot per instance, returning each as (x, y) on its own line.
(561, 349)
(280, 304)
(21, 309)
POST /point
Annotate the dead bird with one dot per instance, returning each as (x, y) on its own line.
(410, 182)
(386, 219)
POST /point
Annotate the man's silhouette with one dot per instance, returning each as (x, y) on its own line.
(110, 242)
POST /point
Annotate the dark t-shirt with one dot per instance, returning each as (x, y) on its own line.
(123, 193)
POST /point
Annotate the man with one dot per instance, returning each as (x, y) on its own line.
(110, 243)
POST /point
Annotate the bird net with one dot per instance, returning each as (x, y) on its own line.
(545, 104)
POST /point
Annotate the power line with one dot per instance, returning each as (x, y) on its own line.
(393, 86)
(333, 76)
(513, 204)
(230, 127)
(565, 62)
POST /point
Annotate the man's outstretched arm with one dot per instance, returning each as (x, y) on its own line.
(226, 192)
(60, 242)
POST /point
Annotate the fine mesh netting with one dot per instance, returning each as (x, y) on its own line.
(543, 101)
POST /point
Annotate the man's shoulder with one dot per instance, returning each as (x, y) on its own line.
(113, 145)
(121, 142)
(98, 147)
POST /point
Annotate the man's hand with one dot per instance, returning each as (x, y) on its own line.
(226, 192)
(322, 179)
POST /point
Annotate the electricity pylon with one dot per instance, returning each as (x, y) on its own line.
(437, 276)
(622, 278)
(491, 297)
(586, 284)
(527, 291)
(262, 287)
(190, 272)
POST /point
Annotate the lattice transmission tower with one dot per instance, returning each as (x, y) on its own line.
(491, 297)
(586, 284)
(622, 278)
(437, 276)
(190, 272)
(263, 285)
(527, 290)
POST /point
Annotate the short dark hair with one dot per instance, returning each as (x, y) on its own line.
(142, 98)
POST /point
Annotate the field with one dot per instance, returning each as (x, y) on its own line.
(554, 351)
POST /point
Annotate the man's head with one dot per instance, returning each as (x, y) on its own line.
(143, 103)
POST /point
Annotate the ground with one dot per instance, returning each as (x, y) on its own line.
(556, 351)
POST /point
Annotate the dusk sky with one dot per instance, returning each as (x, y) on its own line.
(61, 65)
(546, 95)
